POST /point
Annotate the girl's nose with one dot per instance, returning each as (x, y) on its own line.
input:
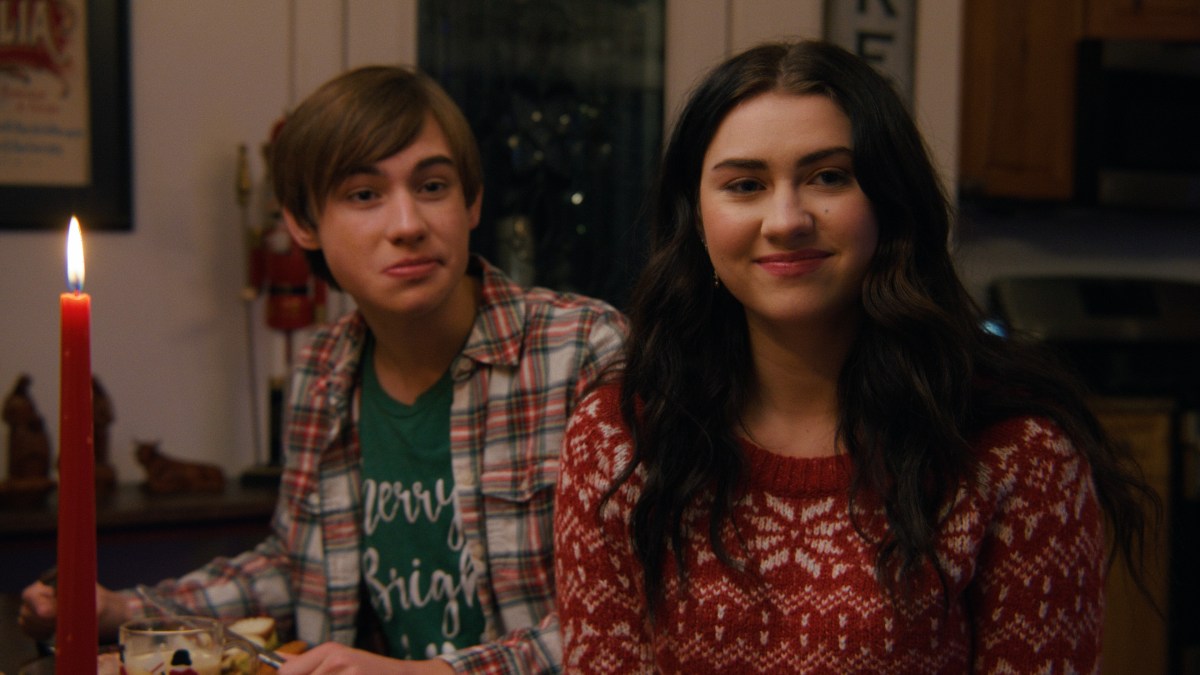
(788, 216)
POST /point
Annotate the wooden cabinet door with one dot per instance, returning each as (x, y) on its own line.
(1018, 124)
(1135, 638)
(1143, 19)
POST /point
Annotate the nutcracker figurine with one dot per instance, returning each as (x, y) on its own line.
(294, 296)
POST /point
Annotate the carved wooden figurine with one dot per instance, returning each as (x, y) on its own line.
(102, 417)
(165, 475)
(28, 479)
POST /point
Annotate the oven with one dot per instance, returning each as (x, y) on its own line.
(1136, 344)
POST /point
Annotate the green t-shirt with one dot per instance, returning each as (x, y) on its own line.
(418, 573)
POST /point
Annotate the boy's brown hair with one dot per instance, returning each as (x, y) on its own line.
(357, 119)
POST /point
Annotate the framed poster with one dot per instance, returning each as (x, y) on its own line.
(64, 114)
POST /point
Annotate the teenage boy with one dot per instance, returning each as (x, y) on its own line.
(423, 429)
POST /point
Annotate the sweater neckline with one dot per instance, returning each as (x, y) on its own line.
(795, 476)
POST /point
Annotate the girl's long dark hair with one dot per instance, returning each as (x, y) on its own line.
(921, 378)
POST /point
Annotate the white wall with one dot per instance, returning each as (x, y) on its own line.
(169, 327)
(702, 32)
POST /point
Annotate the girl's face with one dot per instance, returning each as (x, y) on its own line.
(787, 226)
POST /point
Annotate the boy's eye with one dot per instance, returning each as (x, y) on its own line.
(433, 187)
(358, 195)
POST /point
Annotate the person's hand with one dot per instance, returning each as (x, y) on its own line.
(39, 611)
(335, 659)
(112, 610)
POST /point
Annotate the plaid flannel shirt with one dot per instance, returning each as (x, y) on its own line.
(530, 356)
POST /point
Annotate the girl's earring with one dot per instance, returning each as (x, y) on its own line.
(716, 279)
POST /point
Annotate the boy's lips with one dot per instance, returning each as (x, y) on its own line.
(411, 267)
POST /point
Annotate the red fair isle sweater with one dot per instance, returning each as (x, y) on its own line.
(1022, 547)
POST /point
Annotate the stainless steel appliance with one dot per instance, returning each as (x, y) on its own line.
(1138, 102)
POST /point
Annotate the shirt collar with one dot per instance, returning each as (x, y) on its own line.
(498, 333)
(496, 338)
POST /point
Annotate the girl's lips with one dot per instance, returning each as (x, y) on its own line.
(792, 264)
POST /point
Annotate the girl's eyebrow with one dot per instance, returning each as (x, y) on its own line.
(820, 155)
(740, 164)
(759, 165)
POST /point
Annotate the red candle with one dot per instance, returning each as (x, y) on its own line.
(77, 636)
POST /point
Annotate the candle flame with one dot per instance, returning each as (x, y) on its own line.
(74, 256)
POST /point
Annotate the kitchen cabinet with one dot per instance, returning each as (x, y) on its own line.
(1143, 19)
(1018, 107)
(1019, 85)
(1135, 637)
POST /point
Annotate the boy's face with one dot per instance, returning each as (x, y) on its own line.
(395, 234)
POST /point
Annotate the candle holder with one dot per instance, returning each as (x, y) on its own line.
(268, 475)
(294, 299)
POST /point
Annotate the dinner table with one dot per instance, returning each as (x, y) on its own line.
(141, 538)
(16, 648)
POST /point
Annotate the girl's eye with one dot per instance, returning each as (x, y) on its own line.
(831, 177)
(743, 186)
